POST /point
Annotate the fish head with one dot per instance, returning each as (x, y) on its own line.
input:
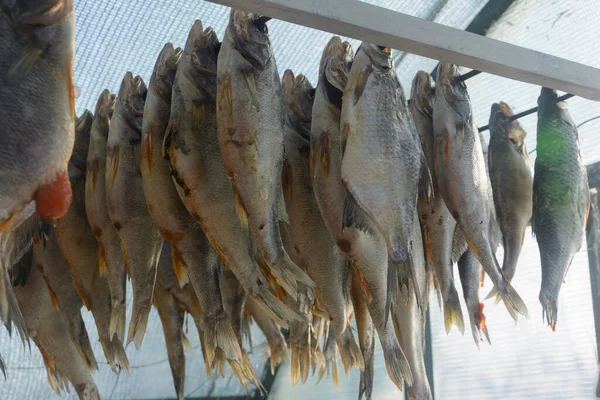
(132, 96)
(200, 57)
(299, 96)
(336, 62)
(453, 89)
(83, 124)
(250, 36)
(33, 15)
(549, 108)
(105, 106)
(202, 47)
(78, 160)
(501, 125)
(164, 70)
(423, 93)
(380, 56)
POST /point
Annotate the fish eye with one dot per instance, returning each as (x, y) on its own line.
(513, 141)
(260, 24)
(312, 93)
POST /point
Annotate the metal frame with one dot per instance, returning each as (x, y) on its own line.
(379, 25)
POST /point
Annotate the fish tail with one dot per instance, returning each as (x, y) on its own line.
(293, 280)
(279, 353)
(318, 362)
(549, 309)
(396, 363)
(350, 352)
(117, 322)
(301, 352)
(275, 309)
(244, 373)
(494, 293)
(331, 365)
(138, 324)
(365, 387)
(114, 352)
(219, 362)
(219, 334)
(207, 366)
(453, 313)
(513, 302)
(84, 348)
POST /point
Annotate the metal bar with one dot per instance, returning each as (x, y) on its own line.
(489, 14)
(469, 75)
(385, 27)
(593, 248)
(429, 355)
(528, 112)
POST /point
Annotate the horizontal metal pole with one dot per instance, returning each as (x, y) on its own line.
(389, 28)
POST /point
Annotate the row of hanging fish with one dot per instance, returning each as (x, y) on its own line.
(232, 194)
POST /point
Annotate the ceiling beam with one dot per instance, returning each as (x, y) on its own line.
(385, 27)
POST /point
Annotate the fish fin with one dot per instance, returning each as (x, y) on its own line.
(318, 362)
(396, 363)
(425, 181)
(301, 355)
(246, 333)
(295, 281)
(549, 310)
(365, 386)
(81, 294)
(115, 354)
(207, 365)
(101, 261)
(30, 55)
(280, 313)
(354, 215)
(346, 130)
(241, 211)
(219, 334)
(282, 209)
(117, 322)
(513, 302)
(219, 362)
(53, 299)
(185, 342)
(245, 374)
(253, 91)
(361, 82)
(438, 290)
(324, 159)
(459, 244)
(482, 278)
(364, 284)
(494, 293)
(137, 324)
(83, 346)
(350, 352)
(278, 354)
(179, 267)
(453, 313)
(330, 354)
(3, 367)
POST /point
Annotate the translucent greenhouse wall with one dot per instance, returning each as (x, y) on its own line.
(526, 361)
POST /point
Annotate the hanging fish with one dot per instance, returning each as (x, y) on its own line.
(561, 197)
(250, 116)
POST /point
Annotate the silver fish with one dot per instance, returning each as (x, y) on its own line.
(325, 264)
(561, 197)
(469, 270)
(512, 183)
(140, 241)
(37, 106)
(110, 256)
(47, 326)
(438, 224)
(250, 130)
(462, 178)
(367, 249)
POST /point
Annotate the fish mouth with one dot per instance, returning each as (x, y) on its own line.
(423, 90)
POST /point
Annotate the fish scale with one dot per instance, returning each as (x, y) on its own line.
(560, 197)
